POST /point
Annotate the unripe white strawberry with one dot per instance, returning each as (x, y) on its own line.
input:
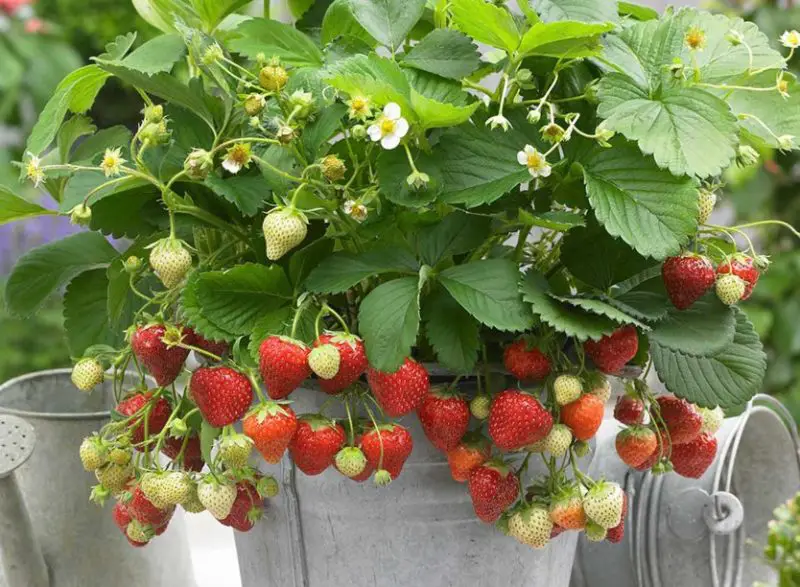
(87, 374)
(712, 420)
(531, 526)
(170, 261)
(324, 360)
(176, 488)
(538, 446)
(216, 498)
(595, 532)
(730, 289)
(235, 450)
(567, 389)
(152, 485)
(114, 477)
(480, 406)
(351, 461)
(599, 386)
(603, 504)
(557, 443)
(192, 503)
(92, 453)
(120, 456)
(284, 229)
(706, 202)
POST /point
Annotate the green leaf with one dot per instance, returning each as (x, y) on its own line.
(80, 185)
(728, 378)
(106, 138)
(13, 208)
(156, 55)
(41, 271)
(85, 312)
(457, 233)
(73, 129)
(437, 87)
(393, 170)
(208, 434)
(380, 79)
(226, 304)
(687, 130)
(565, 39)
(212, 12)
(647, 207)
(644, 305)
(637, 11)
(433, 114)
(339, 23)
(598, 259)
(781, 115)
(580, 10)
(273, 38)
(282, 159)
(704, 329)
(388, 319)
(247, 192)
(566, 318)
(486, 23)
(299, 7)
(119, 47)
(325, 127)
(559, 220)
(602, 308)
(75, 93)
(387, 21)
(452, 332)
(305, 260)
(444, 52)
(489, 291)
(344, 270)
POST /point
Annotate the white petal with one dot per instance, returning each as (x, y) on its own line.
(545, 171)
(231, 166)
(391, 111)
(390, 141)
(401, 127)
(522, 158)
(529, 150)
(533, 171)
(374, 132)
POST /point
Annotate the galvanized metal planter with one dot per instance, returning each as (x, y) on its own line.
(54, 490)
(707, 532)
(420, 531)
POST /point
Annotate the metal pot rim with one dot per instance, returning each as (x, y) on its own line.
(103, 415)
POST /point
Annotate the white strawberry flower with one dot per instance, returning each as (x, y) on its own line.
(535, 162)
(498, 121)
(791, 39)
(355, 210)
(237, 157)
(33, 170)
(112, 162)
(389, 128)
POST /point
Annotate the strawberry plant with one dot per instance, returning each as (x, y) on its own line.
(363, 204)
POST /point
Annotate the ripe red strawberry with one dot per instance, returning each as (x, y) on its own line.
(445, 418)
(121, 516)
(472, 452)
(612, 352)
(192, 456)
(566, 510)
(271, 427)
(617, 533)
(397, 446)
(636, 445)
(682, 419)
(662, 450)
(156, 420)
(352, 361)
(557, 531)
(219, 348)
(493, 487)
(142, 510)
(401, 392)
(629, 410)
(692, 459)
(283, 363)
(222, 394)
(584, 416)
(526, 363)
(315, 444)
(247, 509)
(744, 267)
(687, 278)
(517, 419)
(163, 363)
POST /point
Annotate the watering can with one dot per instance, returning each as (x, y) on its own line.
(50, 534)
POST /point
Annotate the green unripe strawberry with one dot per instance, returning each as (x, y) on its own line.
(176, 488)
(273, 78)
(254, 104)
(730, 289)
(170, 261)
(114, 477)
(192, 503)
(92, 453)
(480, 406)
(267, 487)
(567, 389)
(235, 450)
(324, 360)
(351, 461)
(138, 532)
(87, 374)
(705, 202)
(284, 229)
(333, 168)
(595, 532)
(531, 526)
(120, 456)
(152, 485)
(558, 441)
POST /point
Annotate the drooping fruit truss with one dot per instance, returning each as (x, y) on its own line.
(404, 242)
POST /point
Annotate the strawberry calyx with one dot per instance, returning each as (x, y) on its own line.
(499, 465)
(291, 340)
(339, 337)
(445, 392)
(476, 441)
(267, 409)
(317, 421)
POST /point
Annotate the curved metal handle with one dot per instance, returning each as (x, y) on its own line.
(20, 556)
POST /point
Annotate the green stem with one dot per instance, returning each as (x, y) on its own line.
(519, 251)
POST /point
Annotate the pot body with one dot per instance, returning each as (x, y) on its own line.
(421, 531)
(81, 545)
(706, 532)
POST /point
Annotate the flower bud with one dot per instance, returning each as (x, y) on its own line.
(301, 102)
(524, 75)
(154, 133)
(786, 142)
(418, 180)
(273, 78)
(80, 215)
(198, 164)
(534, 115)
(359, 131)
(734, 37)
(213, 54)
(285, 134)
(254, 104)
(132, 264)
(154, 113)
(333, 168)
(746, 156)
(178, 427)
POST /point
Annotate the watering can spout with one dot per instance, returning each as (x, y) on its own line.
(21, 560)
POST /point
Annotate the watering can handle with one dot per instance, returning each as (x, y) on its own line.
(21, 560)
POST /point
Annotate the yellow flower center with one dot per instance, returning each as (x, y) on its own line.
(535, 160)
(387, 126)
(783, 86)
(109, 161)
(358, 104)
(793, 39)
(695, 38)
